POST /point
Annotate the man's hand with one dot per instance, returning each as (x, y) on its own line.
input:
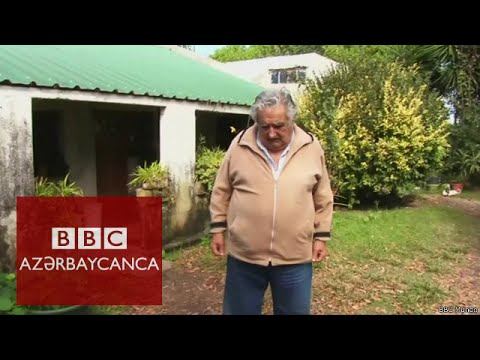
(218, 244)
(319, 250)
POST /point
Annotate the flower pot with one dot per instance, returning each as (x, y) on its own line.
(457, 187)
(149, 186)
(155, 185)
(144, 193)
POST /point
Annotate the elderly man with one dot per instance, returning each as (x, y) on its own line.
(272, 197)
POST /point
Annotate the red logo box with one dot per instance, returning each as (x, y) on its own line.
(89, 251)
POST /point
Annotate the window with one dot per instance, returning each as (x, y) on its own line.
(301, 75)
(288, 76)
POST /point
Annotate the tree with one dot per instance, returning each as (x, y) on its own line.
(243, 52)
(454, 71)
(232, 53)
(349, 53)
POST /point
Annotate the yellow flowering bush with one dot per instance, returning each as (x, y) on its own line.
(381, 127)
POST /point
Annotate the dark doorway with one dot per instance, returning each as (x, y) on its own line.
(112, 157)
(219, 129)
(48, 156)
(124, 140)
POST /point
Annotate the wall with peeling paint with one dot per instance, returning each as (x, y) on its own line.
(16, 167)
(188, 216)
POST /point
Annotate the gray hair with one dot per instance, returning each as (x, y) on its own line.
(274, 97)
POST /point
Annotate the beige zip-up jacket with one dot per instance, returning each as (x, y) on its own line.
(268, 220)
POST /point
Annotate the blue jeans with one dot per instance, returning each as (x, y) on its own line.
(245, 286)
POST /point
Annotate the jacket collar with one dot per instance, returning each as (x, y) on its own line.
(249, 138)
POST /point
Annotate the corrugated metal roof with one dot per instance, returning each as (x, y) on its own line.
(148, 70)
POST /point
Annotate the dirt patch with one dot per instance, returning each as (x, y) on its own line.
(465, 281)
(187, 292)
(470, 207)
(466, 287)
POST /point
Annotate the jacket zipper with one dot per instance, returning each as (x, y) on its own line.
(274, 217)
(274, 213)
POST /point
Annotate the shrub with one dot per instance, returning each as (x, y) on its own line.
(381, 127)
(8, 294)
(207, 163)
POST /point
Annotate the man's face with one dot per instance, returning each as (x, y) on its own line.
(275, 129)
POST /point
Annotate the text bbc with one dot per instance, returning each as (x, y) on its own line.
(89, 238)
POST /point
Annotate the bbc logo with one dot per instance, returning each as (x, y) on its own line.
(89, 238)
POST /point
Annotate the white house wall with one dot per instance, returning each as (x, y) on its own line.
(177, 139)
(78, 130)
(258, 70)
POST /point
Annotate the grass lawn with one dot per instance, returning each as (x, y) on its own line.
(393, 261)
(382, 262)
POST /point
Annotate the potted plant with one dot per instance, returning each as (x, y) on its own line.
(152, 180)
(457, 185)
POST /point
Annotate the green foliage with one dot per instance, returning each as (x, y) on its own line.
(64, 187)
(207, 164)
(154, 177)
(381, 127)
(346, 54)
(242, 52)
(8, 294)
(454, 71)
(278, 50)
(465, 163)
(341, 53)
(232, 53)
(154, 174)
(464, 158)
